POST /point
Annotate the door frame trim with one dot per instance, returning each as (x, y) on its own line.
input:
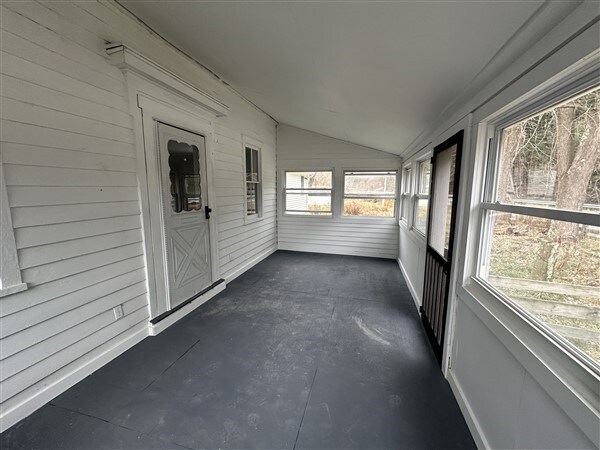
(150, 103)
(442, 350)
(153, 111)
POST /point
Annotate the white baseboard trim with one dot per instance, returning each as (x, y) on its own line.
(233, 275)
(472, 422)
(14, 415)
(180, 313)
(411, 288)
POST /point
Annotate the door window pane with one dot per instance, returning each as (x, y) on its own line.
(184, 174)
(439, 234)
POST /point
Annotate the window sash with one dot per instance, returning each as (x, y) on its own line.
(584, 218)
(253, 182)
(313, 192)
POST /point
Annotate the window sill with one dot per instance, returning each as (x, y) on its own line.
(248, 220)
(369, 219)
(304, 216)
(5, 292)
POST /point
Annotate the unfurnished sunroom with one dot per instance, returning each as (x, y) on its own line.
(300, 224)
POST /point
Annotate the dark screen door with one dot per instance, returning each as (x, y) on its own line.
(440, 239)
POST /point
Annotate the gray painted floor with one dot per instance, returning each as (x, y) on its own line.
(302, 351)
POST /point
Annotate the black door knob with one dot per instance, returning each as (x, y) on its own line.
(207, 212)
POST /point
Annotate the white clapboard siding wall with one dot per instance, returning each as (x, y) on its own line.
(299, 149)
(69, 165)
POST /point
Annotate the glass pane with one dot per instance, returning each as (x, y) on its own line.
(308, 202)
(424, 177)
(439, 235)
(557, 279)
(370, 184)
(421, 215)
(406, 181)
(369, 207)
(553, 159)
(248, 164)
(308, 180)
(255, 176)
(184, 174)
(252, 165)
(251, 199)
(405, 207)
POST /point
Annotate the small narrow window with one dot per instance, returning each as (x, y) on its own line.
(422, 197)
(370, 193)
(308, 193)
(253, 182)
(406, 183)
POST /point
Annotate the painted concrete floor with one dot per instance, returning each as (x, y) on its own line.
(302, 351)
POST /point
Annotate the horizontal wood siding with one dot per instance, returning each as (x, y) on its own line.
(303, 150)
(70, 170)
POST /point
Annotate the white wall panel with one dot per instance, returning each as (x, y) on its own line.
(70, 171)
(303, 150)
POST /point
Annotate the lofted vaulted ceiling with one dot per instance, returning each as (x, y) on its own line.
(373, 73)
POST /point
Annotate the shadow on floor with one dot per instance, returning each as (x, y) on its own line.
(302, 351)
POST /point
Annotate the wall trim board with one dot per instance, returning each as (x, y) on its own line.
(411, 288)
(469, 415)
(24, 409)
(239, 271)
(154, 329)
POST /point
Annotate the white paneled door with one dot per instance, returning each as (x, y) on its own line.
(182, 156)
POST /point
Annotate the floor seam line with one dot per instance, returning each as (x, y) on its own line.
(305, 407)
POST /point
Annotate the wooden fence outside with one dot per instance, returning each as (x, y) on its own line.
(557, 309)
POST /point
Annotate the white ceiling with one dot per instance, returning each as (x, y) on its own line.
(373, 73)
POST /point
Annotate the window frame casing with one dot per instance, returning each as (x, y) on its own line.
(10, 276)
(253, 145)
(421, 196)
(406, 193)
(326, 215)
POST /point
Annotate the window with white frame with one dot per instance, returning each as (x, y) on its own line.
(370, 193)
(308, 193)
(540, 238)
(405, 195)
(422, 196)
(253, 182)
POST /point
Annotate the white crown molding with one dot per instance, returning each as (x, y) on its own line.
(128, 59)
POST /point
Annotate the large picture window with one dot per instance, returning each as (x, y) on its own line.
(308, 193)
(370, 193)
(541, 228)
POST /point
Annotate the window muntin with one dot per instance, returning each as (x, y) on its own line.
(308, 193)
(422, 196)
(253, 181)
(405, 195)
(541, 230)
(370, 193)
